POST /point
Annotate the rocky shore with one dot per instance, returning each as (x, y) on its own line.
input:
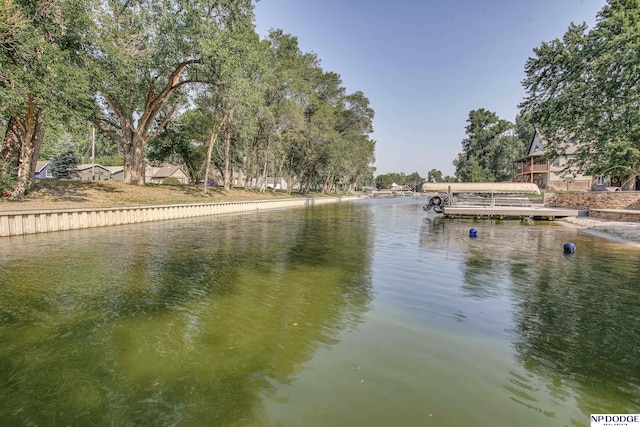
(625, 232)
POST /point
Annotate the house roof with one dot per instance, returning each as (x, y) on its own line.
(114, 169)
(167, 171)
(41, 164)
(85, 166)
(537, 148)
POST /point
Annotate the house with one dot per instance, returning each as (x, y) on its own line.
(159, 174)
(535, 167)
(116, 173)
(92, 172)
(43, 169)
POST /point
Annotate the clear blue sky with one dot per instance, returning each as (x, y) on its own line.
(424, 64)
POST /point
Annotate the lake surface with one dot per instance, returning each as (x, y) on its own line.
(355, 314)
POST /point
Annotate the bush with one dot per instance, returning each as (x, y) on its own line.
(171, 181)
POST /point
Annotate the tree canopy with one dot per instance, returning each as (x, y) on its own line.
(188, 81)
(41, 82)
(385, 181)
(489, 149)
(585, 86)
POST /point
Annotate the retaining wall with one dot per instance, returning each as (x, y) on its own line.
(624, 200)
(16, 223)
(611, 205)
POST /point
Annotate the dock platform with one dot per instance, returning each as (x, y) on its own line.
(507, 212)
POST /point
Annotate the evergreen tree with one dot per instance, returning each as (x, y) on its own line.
(64, 163)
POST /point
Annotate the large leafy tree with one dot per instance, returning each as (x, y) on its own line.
(232, 100)
(586, 86)
(489, 149)
(435, 175)
(353, 151)
(144, 55)
(184, 142)
(40, 81)
(288, 92)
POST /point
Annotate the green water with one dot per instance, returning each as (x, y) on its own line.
(355, 314)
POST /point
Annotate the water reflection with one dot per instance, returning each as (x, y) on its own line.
(356, 314)
(577, 324)
(181, 323)
(575, 327)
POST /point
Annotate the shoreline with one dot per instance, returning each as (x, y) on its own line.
(616, 231)
(18, 223)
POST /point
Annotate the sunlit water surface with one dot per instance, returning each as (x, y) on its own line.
(355, 314)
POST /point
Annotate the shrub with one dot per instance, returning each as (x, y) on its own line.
(171, 181)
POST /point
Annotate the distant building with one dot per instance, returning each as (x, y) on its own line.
(43, 169)
(159, 174)
(116, 173)
(92, 172)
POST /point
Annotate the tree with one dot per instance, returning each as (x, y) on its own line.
(434, 175)
(64, 163)
(413, 180)
(489, 150)
(387, 180)
(143, 56)
(587, 87)
(184, 142)
(40, 81)
(524, 129)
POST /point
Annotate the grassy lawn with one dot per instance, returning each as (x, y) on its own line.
(55, 194)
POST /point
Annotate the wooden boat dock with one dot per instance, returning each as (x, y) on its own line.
(489, 200)
(507, 212)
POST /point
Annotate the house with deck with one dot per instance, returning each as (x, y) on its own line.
(550, 174)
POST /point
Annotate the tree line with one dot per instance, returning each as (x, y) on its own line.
(183, 80)
(190, 81)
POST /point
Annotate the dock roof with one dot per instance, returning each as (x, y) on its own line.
(481, 187)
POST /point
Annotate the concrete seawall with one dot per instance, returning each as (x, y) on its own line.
(17, 223)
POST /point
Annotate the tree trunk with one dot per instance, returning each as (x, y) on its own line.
(212, 141)
(23, 139)
(134, 163)
(263, 187)
(12, 144)
(227, 151)
(30, 156)
(279, 174)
